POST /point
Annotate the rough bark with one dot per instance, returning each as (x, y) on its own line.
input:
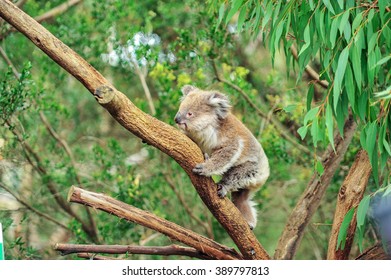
(374, 253)
(146, 219)
(349, 196)
(311, 197)
(159, 134)
(171, 250)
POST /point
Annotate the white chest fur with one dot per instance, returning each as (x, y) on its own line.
(206, 139)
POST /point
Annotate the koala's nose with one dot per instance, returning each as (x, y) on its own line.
(177, 118)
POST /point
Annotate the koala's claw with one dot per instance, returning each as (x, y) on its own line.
(221, 191)
(199, 169)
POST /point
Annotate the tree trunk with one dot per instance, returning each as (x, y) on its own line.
(310, 199)
(349, 196)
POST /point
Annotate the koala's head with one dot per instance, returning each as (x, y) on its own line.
(200, 109)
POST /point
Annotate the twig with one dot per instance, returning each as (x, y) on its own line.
(20, 3)
(349, 196)
(141, 75)
(279, 127)
(170, 250)
(311, 197)
(38, 166)
(46, 16)
(310, 71)
(96, 257)
(188, 210)
(146, 219)
(9, 62)
(57, 10)
(32, 209)
(375, 252)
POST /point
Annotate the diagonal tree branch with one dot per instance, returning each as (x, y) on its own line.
(311, 197)
(161, 135)
(349, 196)
(144, 218)
(170, 250)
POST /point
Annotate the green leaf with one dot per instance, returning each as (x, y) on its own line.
(319, 168)
(386, 146)
(235, 7)
(311, 114)
(383, 60)
(329, 6)
(307, 39)
(357, 21)
(387, 191)
(340, 3)
(356, 63)
(344, 21)
(310, 96)
(371, 139)
(349, 86)
(339, 74)
(221, 13)
(241, 18)
(290, 108)
(330, 125)
(302, 131)
(315, 133)
(343, 230)
(362, 210)
(334, 31)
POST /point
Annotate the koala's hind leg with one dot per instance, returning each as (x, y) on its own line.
(238, 177)
(242, 200)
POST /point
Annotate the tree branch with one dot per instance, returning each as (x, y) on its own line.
(32, 209)
(374, 253)
(349, 196)
(310, 71)
(170, 250)
(311, 197)
(46, 16)
(96, 257)
(9, 62)
(149, 220)
(161, 135)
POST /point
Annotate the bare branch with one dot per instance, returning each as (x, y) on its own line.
(277, 124)
(141, 75)
(311, 197)
(310, 71)
(349, 196)
(32, 209)
(96, 257)
(57, 10)
(20, 3)
(159, 134)
(374, 253)
(170, 250)
(9, 62)
(149, 220)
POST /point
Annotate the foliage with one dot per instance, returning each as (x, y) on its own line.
(190, 42)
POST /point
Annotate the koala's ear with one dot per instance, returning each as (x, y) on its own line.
(221, 104)
(187, 89)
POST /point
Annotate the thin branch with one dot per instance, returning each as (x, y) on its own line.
(149, 220)
(9, 62)
(68, 151)
(32, 209)
(154, 132)
(170, 250)
(188, 210)
(277, 124)
(310, 71)
(349, 196)
(96, 257)
(141, 75)
(312, 195)
(46, 16)
(375, 252)
(57, 10)
(20, 3)
(38, 166)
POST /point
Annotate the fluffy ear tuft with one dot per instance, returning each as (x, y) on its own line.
(221, 104)
(187, 89)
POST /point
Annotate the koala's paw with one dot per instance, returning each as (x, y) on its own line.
(221, 190)
(200, 169)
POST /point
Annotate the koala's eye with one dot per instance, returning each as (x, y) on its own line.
(189, 114)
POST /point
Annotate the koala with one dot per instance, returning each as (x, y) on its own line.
(230, 149)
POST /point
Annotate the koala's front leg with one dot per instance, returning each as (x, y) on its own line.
(220, 160)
